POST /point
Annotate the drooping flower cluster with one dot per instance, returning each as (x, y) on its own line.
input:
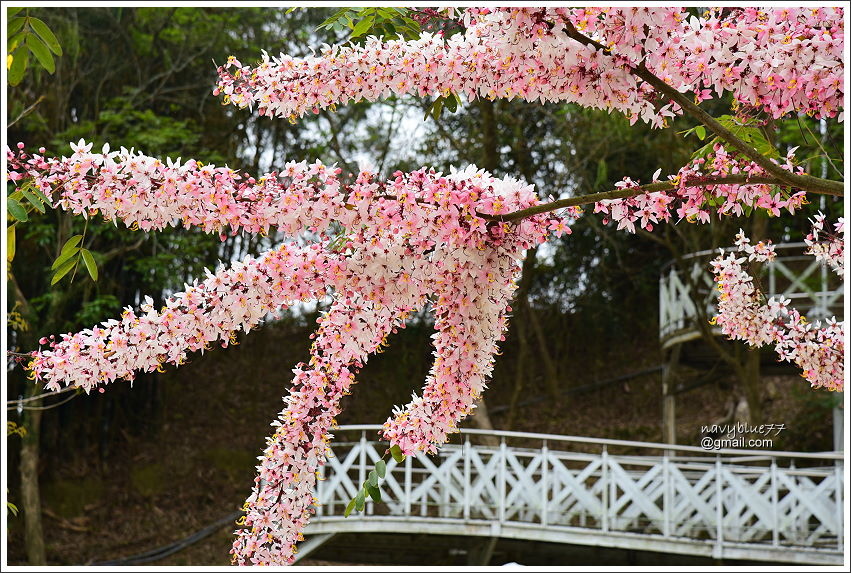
(233, 299)
(819, 350)
(691, 199)
(281, 504)
(779, 60)
(416, 235)
(831, 251)
(469, 324)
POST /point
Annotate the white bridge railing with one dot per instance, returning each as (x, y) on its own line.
(742, 504)
(812, 288)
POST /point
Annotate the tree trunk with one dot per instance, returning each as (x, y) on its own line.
(551, 373)
(31, 422)
(749, 379)
(490, 144)
(752, 385)
(520, 366)
(481, 420)
(30, 495)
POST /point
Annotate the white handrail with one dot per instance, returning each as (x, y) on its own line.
(627, 443)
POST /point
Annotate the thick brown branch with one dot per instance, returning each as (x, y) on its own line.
(631, 192)
(808, 182)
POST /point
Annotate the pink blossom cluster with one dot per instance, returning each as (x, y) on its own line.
(831, 251)
(145, 193)
(416, 235)
(691, 199)
(282, 501)
(233, 299)
(780, 60)
(469, 324)
(818, 350)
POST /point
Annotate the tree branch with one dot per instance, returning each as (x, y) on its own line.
(808, 182)
(661, 186)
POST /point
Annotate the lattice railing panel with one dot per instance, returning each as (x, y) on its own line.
(766, 504)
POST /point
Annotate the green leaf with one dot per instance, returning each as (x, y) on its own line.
(452, 103)
(374, 493)
(363, 26)
(39, 194)
(16, 210)
(700, 131)
(33, 199)
(332, 19)
(381, 468)
(89, 260)
(41, 53)
(64, 256)
(388, 30)
(350, 507)
(45, 34)
(20, 59)
(360, 500)
(436, 109)
(63, 270)
(372, 479)
(13, 10)
(397, 454)
(71, 243)
(14, 26)
(10, 242)
(15, 41)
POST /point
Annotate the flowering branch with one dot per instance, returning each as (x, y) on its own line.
(623, 193)
(802, 181)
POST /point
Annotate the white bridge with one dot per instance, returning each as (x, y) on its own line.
(722, 504)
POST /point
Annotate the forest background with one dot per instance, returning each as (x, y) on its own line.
(137, 467)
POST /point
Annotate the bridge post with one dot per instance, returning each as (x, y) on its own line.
(467, 484)
(718, 551)
(666, 496)
(362, 464)
(604, 471)
(502, 478)
(775, 529)
(545, 486)
(669, 416)
(408, 469)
